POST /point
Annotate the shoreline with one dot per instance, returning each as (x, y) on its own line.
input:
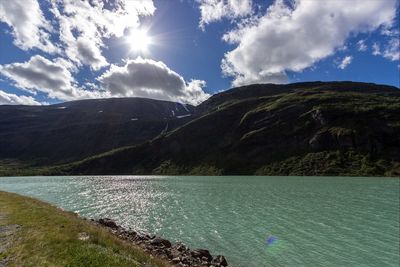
(176, 254)
(37, 233)
(67, 239)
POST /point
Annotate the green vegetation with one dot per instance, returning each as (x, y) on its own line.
(330, 128)
(336, 163)
(168, 168)
(49, 236)
(72, 131)
(23, 168)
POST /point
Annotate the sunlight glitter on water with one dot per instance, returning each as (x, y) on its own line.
(318, 221)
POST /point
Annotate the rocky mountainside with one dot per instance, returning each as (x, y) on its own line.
(44, 135)
(318, 128)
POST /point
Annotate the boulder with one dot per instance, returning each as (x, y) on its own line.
(160, 242)
(180, 247)
(175, 253)
(176, 260)
(219, 261)
(108, 223)
(204, 259)
(149, 236)
(132, 233)
(199, 253)
(185, 260)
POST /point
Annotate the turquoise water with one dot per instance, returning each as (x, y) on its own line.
(317, 221)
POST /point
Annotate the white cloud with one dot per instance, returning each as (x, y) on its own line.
(293, 38)
(82, 28)
(376, 50)
(50, 77)
(89, 53)
(194, 93)
(29, 27)
(215, 10)
(361, 46)
(345, 62)
(136, 78)
(153, 79)
(13, 99)
(84, 25)
(392, 49)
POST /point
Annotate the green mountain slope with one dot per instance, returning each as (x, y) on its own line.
(71, 131)
(333, 128)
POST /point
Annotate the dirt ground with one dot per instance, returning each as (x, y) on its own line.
(7, 233)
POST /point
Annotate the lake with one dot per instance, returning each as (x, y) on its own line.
(309, 221)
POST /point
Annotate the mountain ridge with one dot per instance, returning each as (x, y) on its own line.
(74, 130)
(316, 128)
(241, 150)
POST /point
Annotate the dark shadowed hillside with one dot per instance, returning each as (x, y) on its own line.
(334, 128)
(74, 130)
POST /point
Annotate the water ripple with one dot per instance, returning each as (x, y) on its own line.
(318, 221)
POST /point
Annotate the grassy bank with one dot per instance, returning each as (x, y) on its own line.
(48, 236)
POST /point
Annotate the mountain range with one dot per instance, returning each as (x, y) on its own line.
(314, 128)
(75, 130)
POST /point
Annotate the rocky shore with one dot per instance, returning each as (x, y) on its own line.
(177, 254)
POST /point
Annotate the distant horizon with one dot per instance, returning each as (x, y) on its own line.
(163, 100)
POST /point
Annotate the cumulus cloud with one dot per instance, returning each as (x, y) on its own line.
(153, 79)
(294, 37)
(345, 62)
(136, 78)
(51, 77)
(13, 99)
(29, 27)
(83, 26)
(215, 10)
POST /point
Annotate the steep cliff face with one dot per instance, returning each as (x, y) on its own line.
(308, 129)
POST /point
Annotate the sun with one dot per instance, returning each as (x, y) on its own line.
(139, 40)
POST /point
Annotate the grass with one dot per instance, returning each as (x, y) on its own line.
(49, 237)
(332, 163)
(264, 129)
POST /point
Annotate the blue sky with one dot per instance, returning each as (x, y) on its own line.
(190, 49)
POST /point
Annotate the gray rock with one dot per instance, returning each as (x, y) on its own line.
(160, 241)
(148, 236)
(108, 222)
(199, 253)
(204, 259)
(219, 261)
(180, 247)
(177, 254)
(176, 260)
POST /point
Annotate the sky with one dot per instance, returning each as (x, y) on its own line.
(53, 51)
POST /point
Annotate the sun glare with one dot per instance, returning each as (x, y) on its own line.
(139, 40)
